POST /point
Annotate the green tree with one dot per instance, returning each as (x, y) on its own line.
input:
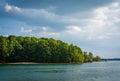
(32, 49)
(5, 49)
(97, 58)
(90, 57)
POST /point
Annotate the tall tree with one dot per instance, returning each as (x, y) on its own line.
(31, 49)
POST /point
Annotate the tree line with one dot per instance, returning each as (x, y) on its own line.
(43, 50)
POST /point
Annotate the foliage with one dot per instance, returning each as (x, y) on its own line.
(44, 50)
(97, 58)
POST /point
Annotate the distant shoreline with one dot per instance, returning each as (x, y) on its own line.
(37, 63)
(20, 63)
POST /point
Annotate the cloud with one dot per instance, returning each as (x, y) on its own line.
(40, 31)
(23, 30)
(28, 14)
(48, 34)
(101, 26)
(101, 23)
(44, 28)
(73, 29)
(9, 8)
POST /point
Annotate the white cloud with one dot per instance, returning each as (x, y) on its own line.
(47, 34)
(39, 31)
(96, 27)
(9, 8)
(45, 28)
(115, 4)
(40, 13)
(73, 29)
(23, 30)
(102, 21)
(100, 14)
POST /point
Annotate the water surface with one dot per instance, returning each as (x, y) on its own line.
(97, 71)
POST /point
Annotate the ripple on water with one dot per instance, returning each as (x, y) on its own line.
(107, 71)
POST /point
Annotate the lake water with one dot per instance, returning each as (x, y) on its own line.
(96, 71)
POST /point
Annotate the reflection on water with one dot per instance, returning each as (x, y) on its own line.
(101, 71)
(51, 71)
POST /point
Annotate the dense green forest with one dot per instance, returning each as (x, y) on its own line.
(43, 50)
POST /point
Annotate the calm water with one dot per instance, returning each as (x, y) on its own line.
(101, 71)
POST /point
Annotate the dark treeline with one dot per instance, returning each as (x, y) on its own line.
(110, 59)
(44, 50)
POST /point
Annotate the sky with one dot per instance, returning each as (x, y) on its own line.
(93, 25)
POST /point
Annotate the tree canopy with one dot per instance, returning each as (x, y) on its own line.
(43, 50)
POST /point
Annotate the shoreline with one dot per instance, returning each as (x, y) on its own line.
(37, 63)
